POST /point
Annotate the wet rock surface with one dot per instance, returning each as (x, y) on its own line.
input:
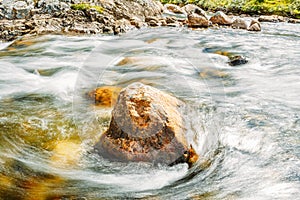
(237, 60)
(147, 126)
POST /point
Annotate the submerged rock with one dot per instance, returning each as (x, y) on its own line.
(105, 96)
(146, 126)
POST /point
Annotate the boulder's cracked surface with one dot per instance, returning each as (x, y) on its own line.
(146, 126)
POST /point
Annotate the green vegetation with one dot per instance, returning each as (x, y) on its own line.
(279, 7)
(84, 7)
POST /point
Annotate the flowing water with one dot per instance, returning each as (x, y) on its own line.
(244, 121)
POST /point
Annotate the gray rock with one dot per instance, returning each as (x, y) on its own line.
(52, 6)
(239, 23)
(21, 10)
(121, 26)
(254, 26)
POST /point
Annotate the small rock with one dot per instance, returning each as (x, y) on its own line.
(221, 18)
(105, 96)
(137, 22)
(191, 8)
(121, 26)
(197, 21)
(294, 21)
(21, 10)
(108, 29)
(237, 60)
(174, 9)
(154, 23)
(254, 26)
(163, 22)
(171, 20)
(151, 18)
(239, 24)
(271, 18)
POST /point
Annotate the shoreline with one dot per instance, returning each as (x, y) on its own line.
(20, 18)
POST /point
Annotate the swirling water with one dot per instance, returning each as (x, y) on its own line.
(243, 120)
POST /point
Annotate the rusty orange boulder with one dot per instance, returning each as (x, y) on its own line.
(146, 126)
(105, 96)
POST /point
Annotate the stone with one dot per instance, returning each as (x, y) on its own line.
(105, 96)
(239, 23)
(191, 8)
(271, 18)
(221, 18)
(237, 60)
(294, 21)
(154, 23)
(52, 6)
(254, 26)
(146, 126)
(197, 21)
(21, 10)
(121, 26)
(174, 9)
(137, 22)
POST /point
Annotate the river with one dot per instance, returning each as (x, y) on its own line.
(244, 121)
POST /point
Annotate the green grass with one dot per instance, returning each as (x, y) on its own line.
(85, 7)
(279, 7)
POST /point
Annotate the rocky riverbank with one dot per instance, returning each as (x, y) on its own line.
(21, 17)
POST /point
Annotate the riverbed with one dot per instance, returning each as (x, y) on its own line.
(243, 120)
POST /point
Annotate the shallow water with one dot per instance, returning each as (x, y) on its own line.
(243, 120)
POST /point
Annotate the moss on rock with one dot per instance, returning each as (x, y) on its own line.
(85, 7)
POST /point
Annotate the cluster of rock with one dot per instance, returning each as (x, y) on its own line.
(198, 18)
(20, 17)
(277, 18)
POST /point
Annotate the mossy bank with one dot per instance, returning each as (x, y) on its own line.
(289, 8)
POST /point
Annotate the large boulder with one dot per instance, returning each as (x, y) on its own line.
(146, 126)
